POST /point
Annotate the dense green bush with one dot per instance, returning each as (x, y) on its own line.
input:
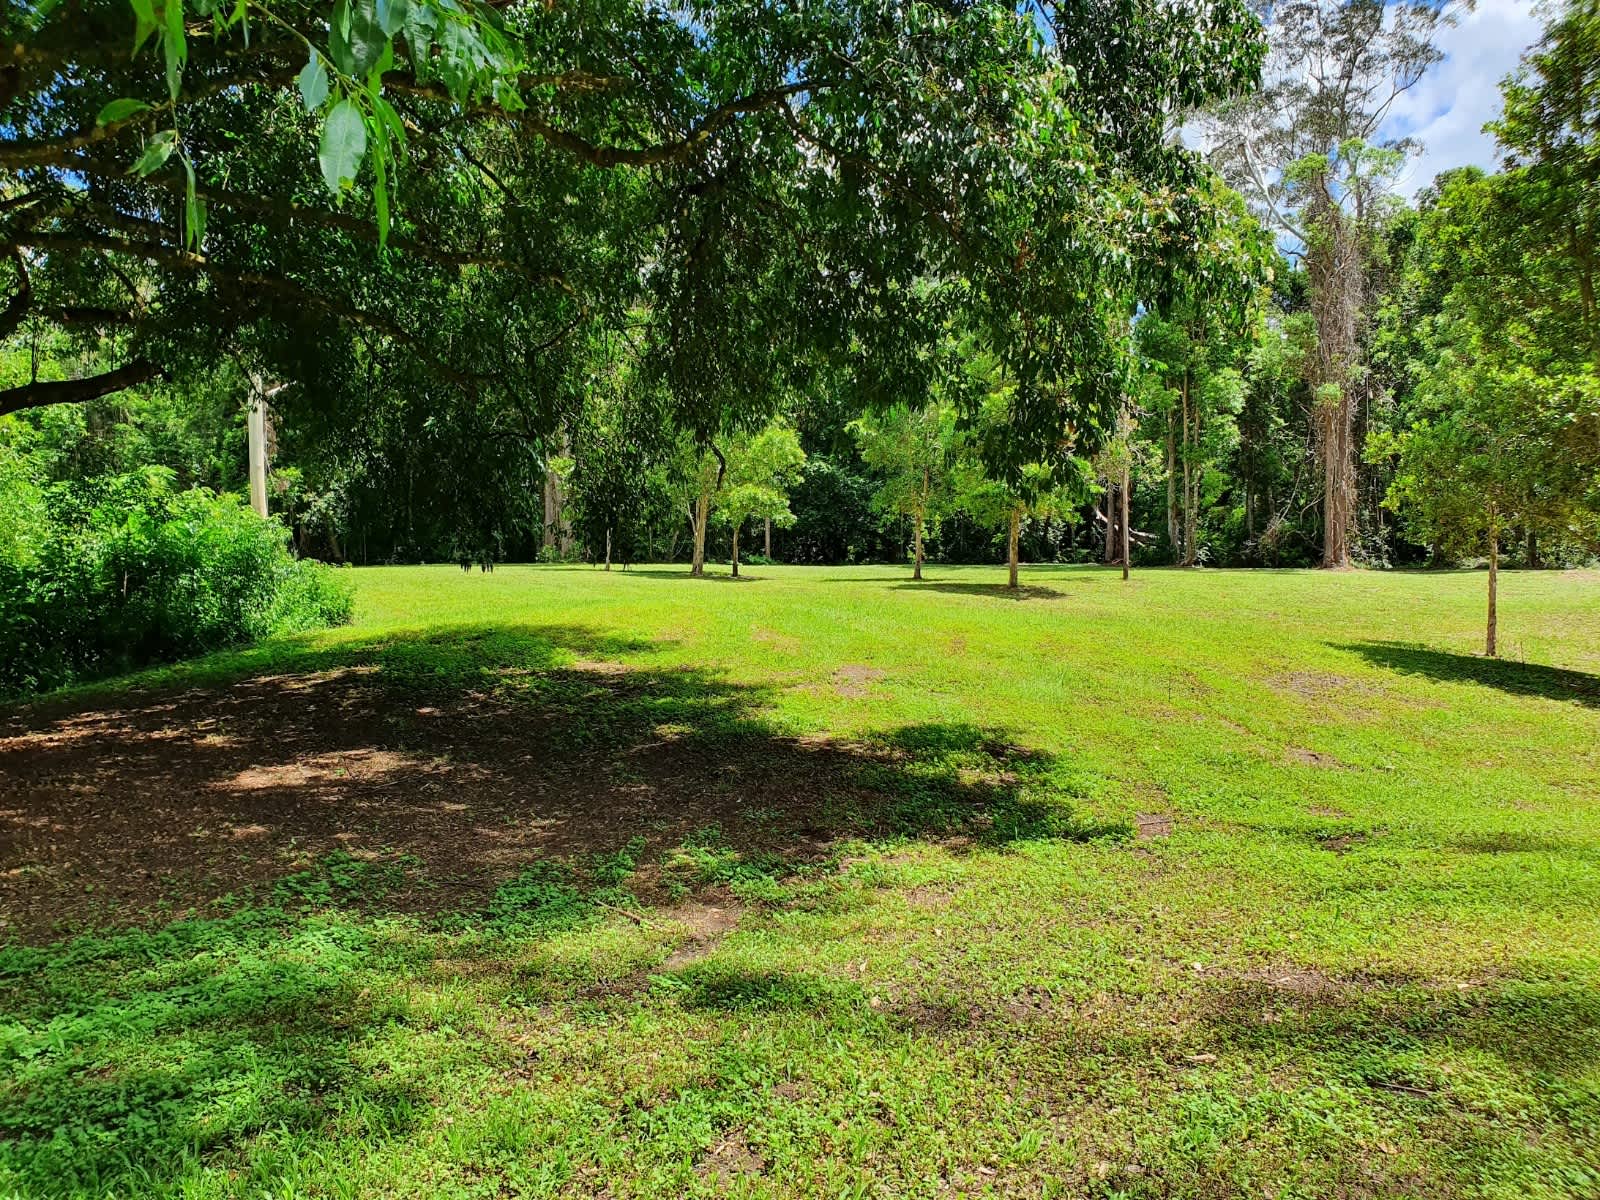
(102, 575)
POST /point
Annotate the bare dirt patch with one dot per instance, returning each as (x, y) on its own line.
(729, 1158)
(1313, 758)
(1154, 825)
(853, 680)
(706, 922)
(161, 803)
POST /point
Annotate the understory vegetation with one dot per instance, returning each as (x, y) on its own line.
(103, 574)
(554, 882)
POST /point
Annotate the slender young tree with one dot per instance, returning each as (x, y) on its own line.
(910, 448)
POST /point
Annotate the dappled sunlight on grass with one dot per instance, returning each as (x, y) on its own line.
(550, 882)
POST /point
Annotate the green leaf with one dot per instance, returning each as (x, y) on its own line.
(391, 120)
(392, 15)
(355, 38)
(145, 24)
(156, 151)
(344, 144)
(194, 210)
(380, 191)
(175, 46)
(314, 83)
(120, 110)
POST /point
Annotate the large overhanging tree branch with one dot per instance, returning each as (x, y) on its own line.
(75, 391)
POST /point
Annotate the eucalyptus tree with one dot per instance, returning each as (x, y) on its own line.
(1308, 149)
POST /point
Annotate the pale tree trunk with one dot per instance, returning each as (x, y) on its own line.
(702, 512)
(1334, 268)
(258, 452)
(1494, 585)
(552, 508)
(1124, 523)
(736, 551)
(1110, 554)
(916, 544)
(1011, 548)
(608, 549)
(767, 530)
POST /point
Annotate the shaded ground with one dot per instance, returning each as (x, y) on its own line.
(451, 762)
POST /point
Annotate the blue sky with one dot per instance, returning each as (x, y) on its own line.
(1448, 108)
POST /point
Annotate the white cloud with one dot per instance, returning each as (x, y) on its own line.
(1447, 110)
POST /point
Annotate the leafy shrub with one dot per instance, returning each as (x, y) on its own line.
(122, 571)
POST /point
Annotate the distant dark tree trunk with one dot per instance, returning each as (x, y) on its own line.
(1126, 556)
(1011, 547)
(1494, 585)
(1533, 551)
(1172, 490)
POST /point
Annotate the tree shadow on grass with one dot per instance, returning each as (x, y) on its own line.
(1521, 679)
(996, 591)
(434, 767)
(244, 842)
(1373, 1030)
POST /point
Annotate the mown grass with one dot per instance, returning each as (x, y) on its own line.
(1208, 884)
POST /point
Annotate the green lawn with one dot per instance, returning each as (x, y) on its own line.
(822, 883)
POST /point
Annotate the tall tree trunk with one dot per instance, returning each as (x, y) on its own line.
(258, 451)
(608, 549)
(767, 530)
(1126, 537)
(702, 511)
(1109, 555)
(552, 509)
(1188, 556)
(1533, 550)
(1494, 586)
(1334, 268)
(916, 545)
(1011, 546)
(736, 551)
(1172, 490)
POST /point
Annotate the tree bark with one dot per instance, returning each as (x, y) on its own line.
(767, 530)
(76, 391)
(257, 448)
(702, 511)
(736, 551)
(916, 543)
(1494, 587)
(1533, 551)
(608, 549)
(1011, 548)
(1124, 523)
(1187, 558)
(1172, 491)
(1109, 555)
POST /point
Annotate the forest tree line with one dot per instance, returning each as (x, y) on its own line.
(866, 282)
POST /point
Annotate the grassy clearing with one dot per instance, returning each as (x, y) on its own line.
(555, 882)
